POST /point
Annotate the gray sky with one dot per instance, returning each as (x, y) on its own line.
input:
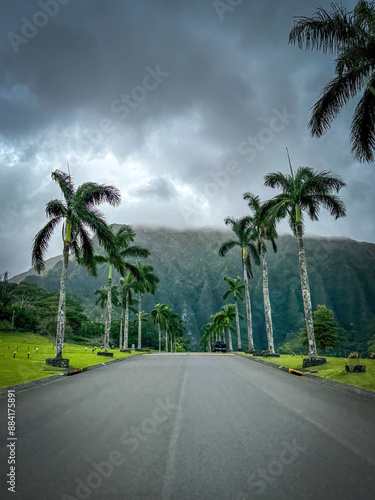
(160, 98)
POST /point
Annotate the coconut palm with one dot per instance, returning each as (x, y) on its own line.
(79, 213)
(307, 191)
(245, 240)
(237, 289)
(117, 259)
(350, 37)
(265, 230)
(159, 315)
(146, 283)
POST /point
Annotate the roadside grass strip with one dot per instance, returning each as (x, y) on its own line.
(16, 367)
(334, 369)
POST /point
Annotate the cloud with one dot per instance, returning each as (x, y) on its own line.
(158, 188)
(172, 149)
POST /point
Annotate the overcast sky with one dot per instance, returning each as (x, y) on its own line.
(161, 98)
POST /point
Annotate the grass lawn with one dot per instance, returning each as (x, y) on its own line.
(334, 369)
(22, 369)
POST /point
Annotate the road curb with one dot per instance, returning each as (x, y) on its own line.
(334, 384)
(54, 378)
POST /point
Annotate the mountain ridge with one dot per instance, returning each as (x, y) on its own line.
(341, 272)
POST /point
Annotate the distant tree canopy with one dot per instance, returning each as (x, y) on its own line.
(327, 332)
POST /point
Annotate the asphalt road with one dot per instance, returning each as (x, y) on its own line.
(186, 427)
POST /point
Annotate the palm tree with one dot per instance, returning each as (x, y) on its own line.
(146, 283)
(350, 37)
(265, 229)
(176, 327)
(208, 331)
(225, 318)
(127, 289)
(245, 240)
(304, 191)
(79, 213)
(159, 315)
(116, 259)
(237, 289)
(102, 298)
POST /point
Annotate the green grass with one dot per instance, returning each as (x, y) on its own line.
(22, 369)
(334, 369)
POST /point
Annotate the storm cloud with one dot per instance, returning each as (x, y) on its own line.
(182, 105)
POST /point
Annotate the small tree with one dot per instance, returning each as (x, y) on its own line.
(327, 332)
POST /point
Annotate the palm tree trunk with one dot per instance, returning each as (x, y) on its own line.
(267, 307)
(120, 339)
(159, 338)
(230, 339)
(238, 325)
(250, 339)
(108, 317)
(166, 339)
(171, 336)
(313, 353)
(126, 322)
(139, 321)
(61, 312)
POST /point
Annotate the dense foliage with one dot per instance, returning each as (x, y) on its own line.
(341, 271)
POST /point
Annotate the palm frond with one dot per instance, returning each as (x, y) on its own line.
(56, 208)
(65, 183)
(335, 94)
(92, 193)
(362, 135)
(40, 244)
(326, 31)
(226, 246)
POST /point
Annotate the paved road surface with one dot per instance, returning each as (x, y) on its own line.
(190, 427)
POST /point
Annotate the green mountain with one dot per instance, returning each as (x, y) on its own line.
(341, 272)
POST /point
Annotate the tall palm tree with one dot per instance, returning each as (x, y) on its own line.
(159, 315)
(146, 283)
(245, 240)
(102, 298)
(304, 191)
(176, 327)
(265, 230)
(350, 37)
(237, 289)
(225, 318)
(79, 213)
(127, 290)
(117, 259)
(208, 336)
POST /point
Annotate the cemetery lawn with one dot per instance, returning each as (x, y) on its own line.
(22, 369)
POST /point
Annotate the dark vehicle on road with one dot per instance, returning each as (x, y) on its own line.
(220, 347)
